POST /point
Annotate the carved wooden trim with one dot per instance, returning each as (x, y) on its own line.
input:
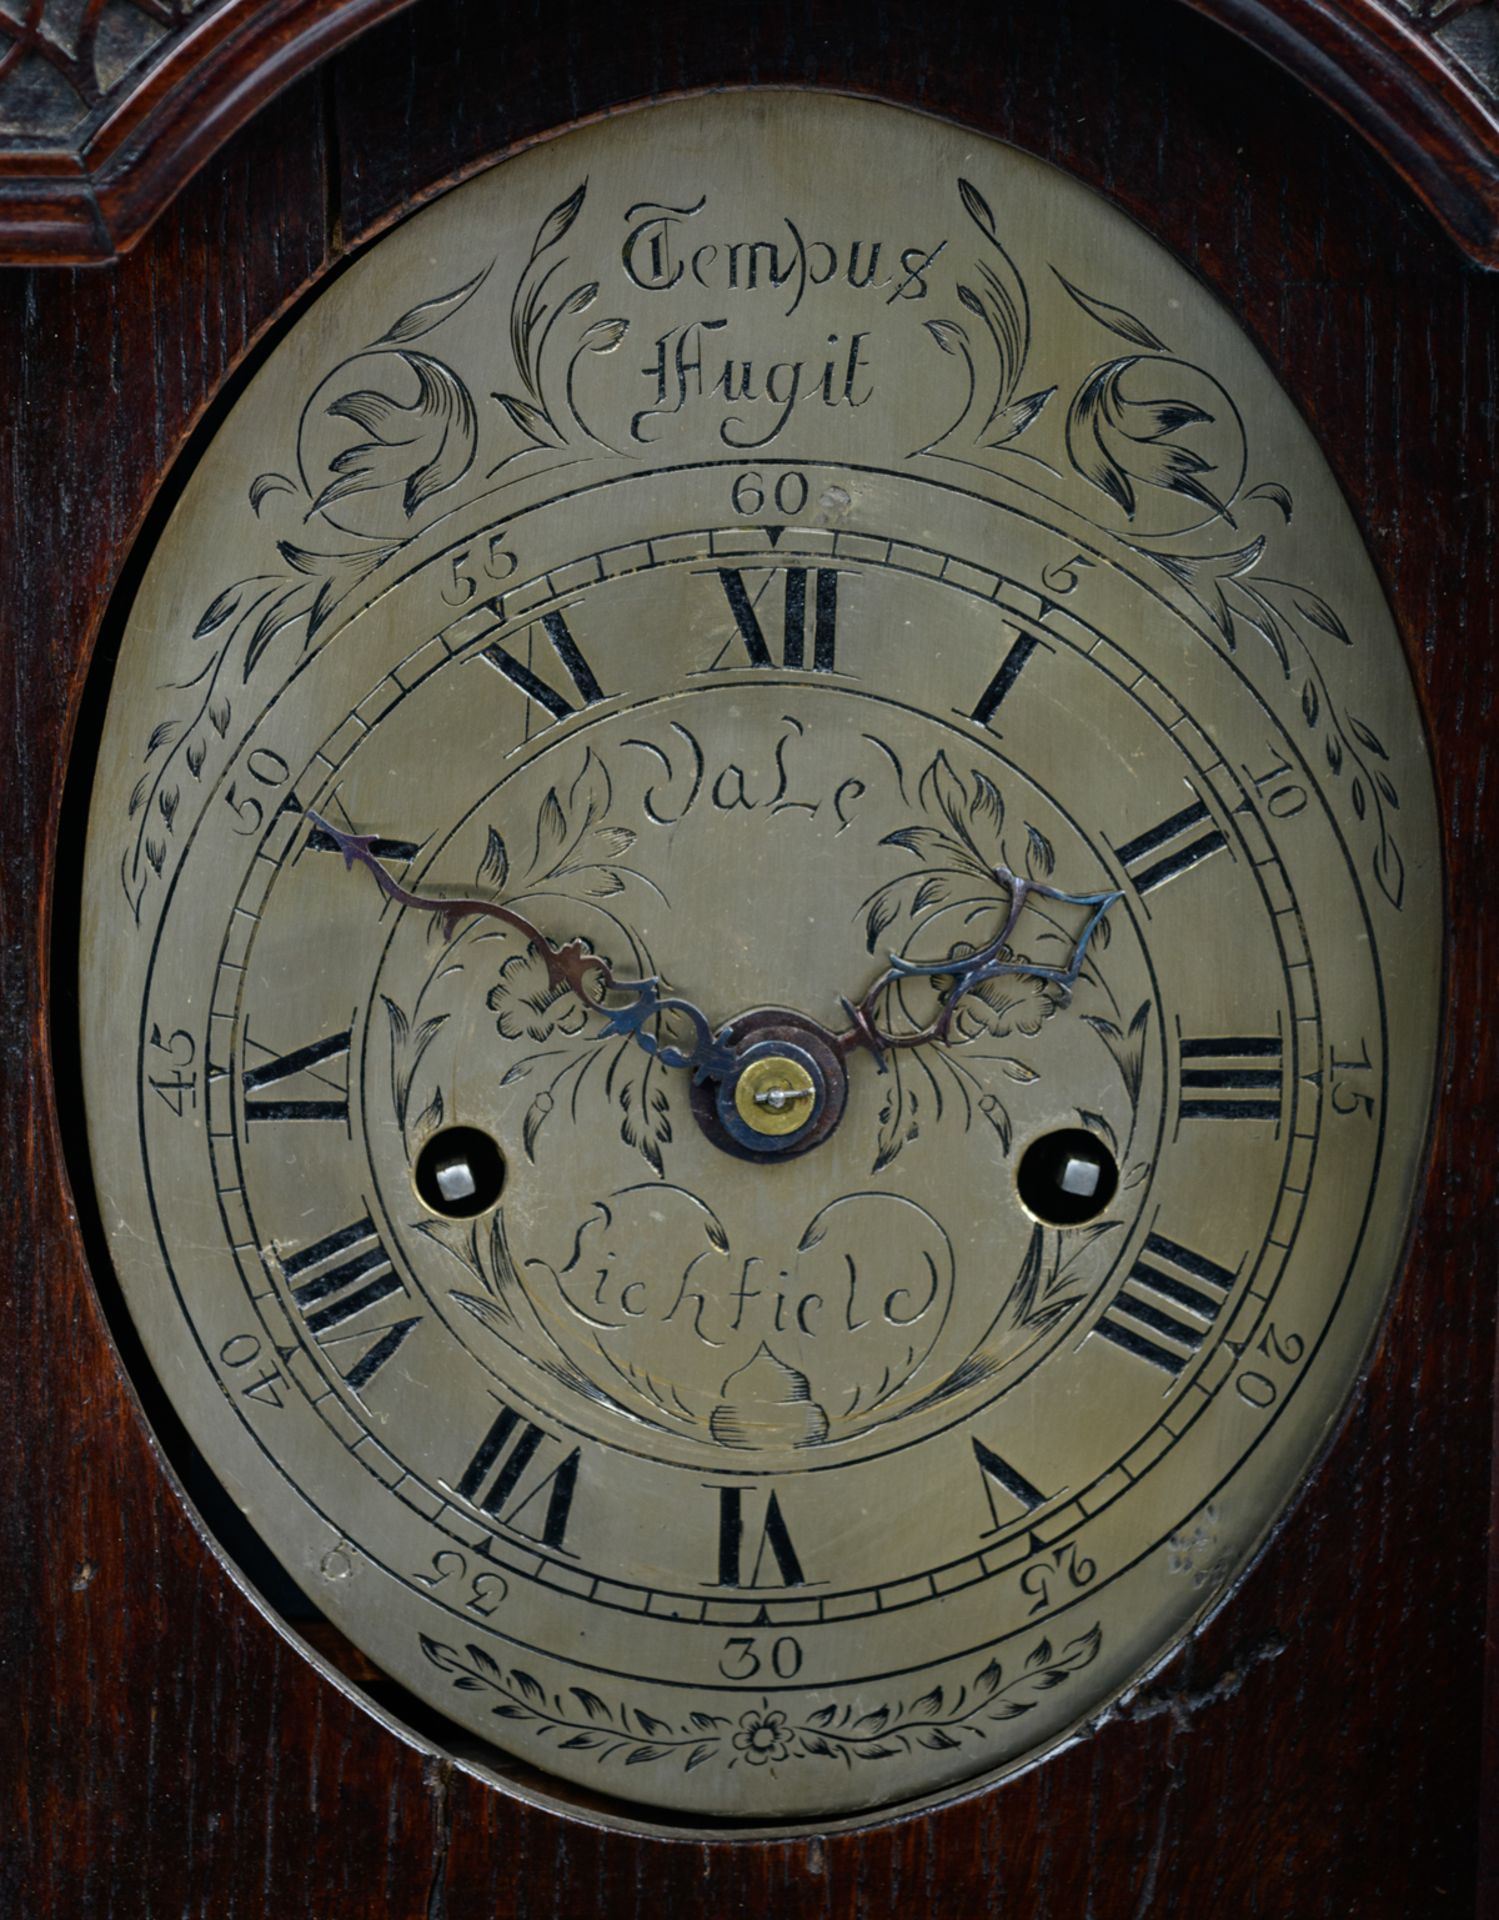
(107, 107)
(1419, 79)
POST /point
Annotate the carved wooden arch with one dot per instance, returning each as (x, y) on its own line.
(108, 107)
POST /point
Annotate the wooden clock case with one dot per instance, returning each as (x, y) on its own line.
(1317, 1748)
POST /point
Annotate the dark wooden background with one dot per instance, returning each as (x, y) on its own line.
(1316, 1750)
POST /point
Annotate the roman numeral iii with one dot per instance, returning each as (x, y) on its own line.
(1237, 1077)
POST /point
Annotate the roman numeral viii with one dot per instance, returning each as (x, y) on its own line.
(499, 1483)
(1172, 848)
(336, 1281)
(1168, 1305)
(545, 695)
(794, 623)
(1237, 1077)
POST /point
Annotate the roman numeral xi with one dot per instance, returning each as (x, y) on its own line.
(531, 683)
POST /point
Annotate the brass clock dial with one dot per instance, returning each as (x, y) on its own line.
(713, 1360)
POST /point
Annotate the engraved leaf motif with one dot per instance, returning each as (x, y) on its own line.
(494, 868)
(531, 1688)
(531, 420)
(265, 484)
(604, 335)
(1366, 737)
(219, 609)
(978, 208)
(1117, 443)
(428, 314)
(645, 1118)
(941, 788)
(559, 220)
(1012, 419)
(1116, 319)
(551, 829)
(273, 621)
(439, 427)
(1314, 609)
(947, 333)
(1040, 857)
(1389, 871)
(535, 1120)
(1273, 491)
(486, 1663)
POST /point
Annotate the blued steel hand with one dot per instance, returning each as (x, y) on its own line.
(712, 1056)
(971, 971)
(569, 966)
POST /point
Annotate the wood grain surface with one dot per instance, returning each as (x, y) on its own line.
(167, 1749)
(106, 112)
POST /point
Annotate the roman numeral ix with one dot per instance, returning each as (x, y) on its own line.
(282, 1067)
(1168, 1305)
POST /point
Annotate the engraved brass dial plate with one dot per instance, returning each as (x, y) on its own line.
(747, 539)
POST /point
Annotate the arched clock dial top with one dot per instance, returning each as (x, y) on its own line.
(761, 956)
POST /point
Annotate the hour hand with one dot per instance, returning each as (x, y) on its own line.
(991, 962)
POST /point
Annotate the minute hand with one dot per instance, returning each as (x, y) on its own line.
(569, 965)
(973, 970)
